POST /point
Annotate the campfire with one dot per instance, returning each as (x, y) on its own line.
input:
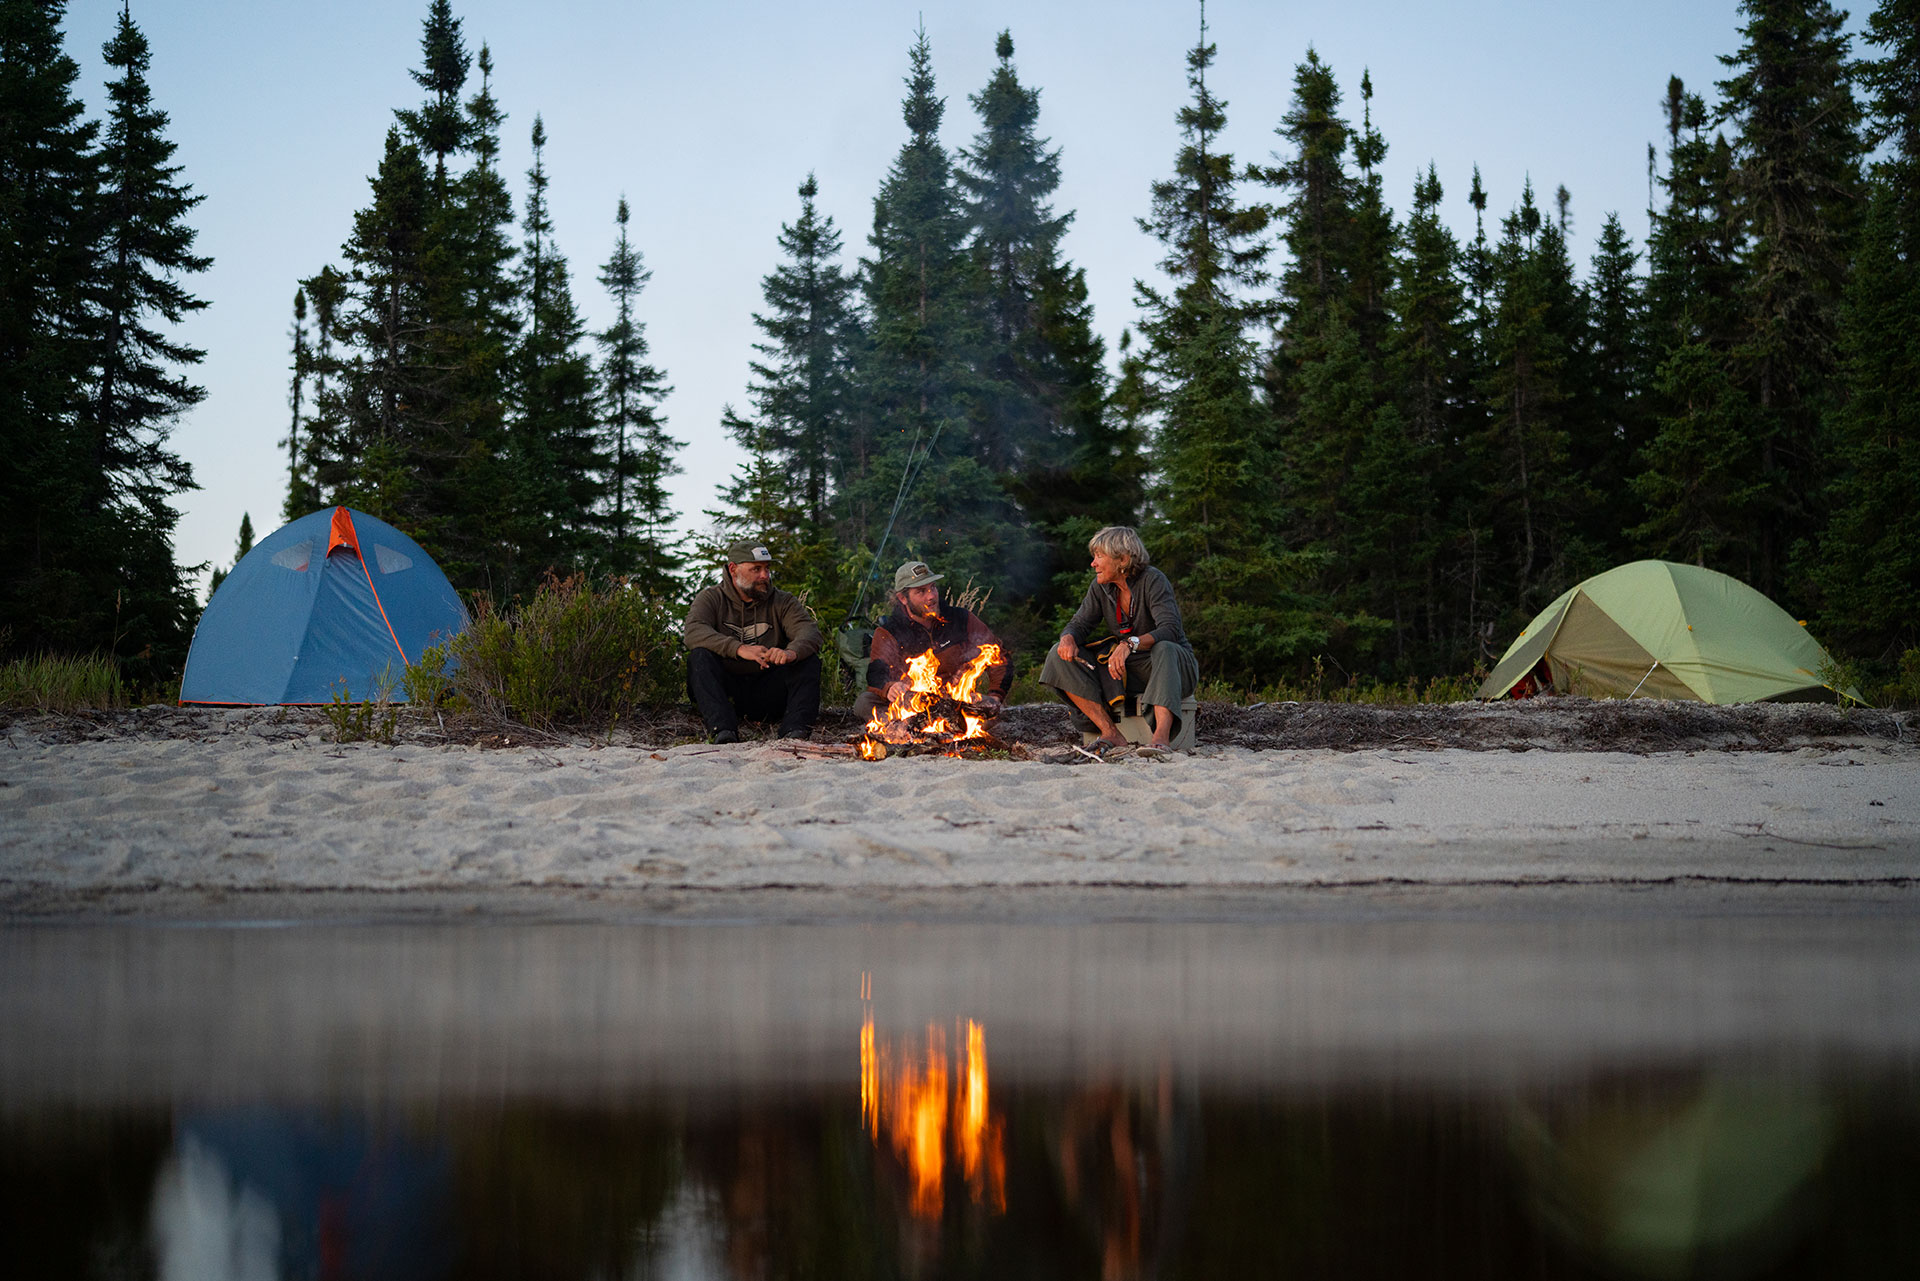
(931, 715)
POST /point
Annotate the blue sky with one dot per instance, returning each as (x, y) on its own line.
(708, 116)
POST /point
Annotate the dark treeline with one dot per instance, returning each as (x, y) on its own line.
(1346, 433)
(93, 246)
(444, 379)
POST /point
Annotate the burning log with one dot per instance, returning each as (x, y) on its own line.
(934, 715)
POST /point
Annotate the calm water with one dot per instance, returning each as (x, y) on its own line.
(1374, 1094)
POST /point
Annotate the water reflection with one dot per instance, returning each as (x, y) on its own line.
(1112, 1103)
(1657, 1175)
(904, 1096)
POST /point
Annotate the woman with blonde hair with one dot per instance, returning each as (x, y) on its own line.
(1144, 649)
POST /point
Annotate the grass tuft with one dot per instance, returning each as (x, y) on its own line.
(61, 683)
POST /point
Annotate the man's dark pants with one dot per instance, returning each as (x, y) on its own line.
(788, 693)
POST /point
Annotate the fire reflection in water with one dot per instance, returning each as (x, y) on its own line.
(916, 1098)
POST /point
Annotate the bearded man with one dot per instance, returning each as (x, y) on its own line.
(920, 622)
(753, 651)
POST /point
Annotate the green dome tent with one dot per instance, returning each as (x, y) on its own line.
(1668, 631)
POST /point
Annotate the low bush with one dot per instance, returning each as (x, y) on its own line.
(60, 683)
(375, 718)
(573, 654)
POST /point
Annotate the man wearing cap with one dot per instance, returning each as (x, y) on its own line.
(753, 651)
(918, 623)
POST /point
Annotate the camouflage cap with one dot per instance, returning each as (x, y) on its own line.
(747, 550)
(914, 573)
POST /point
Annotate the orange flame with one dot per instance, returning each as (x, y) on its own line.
(911, 1101)
(924, 689)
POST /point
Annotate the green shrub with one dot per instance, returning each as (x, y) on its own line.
(1903, 691)
(429, 682)
(573, 654)
(61, 683)
(375, 718)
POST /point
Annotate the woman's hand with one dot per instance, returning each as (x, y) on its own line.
(1069, 648)
(1117, 662)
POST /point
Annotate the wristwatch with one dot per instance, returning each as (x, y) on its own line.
(1133, 643)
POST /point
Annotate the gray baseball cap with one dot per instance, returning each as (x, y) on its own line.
(747, 550)
(914, 573)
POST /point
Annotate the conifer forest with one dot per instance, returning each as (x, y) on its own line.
(1347, 433)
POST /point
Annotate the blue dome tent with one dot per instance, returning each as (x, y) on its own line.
(335, 599)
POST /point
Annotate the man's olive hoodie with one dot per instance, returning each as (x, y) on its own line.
(720, 620)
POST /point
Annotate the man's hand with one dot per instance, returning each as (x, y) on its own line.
(779, 657)
(897, 691)
(765, 655)
(1069, 648)
(1117, 662)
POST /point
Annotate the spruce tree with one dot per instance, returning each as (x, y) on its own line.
(322, 467)
(1215, 521)
(242, 545)
(389, 385)
(1040, 426)
(555, 471)
(802, 385)
(1699, 479)
(927, 493)
(301, 495)
(440, 125)
(637, 451)
(1797, 177)
(1431, 372)
(1867, 563)
(1527, 384)
(1614, 426)
(136, 387)
(51, 582)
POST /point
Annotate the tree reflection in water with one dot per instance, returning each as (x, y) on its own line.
(1653, 1174)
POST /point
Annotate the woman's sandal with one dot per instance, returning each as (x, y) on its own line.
(1101, 748)
(1155, 750)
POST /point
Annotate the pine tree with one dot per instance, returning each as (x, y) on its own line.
(301, 495)
(1526, 388)
(1215, 523)
(554, 468)
(50, 582)
(1318, 381)
(1613, 421)
(802, 385)
(1041, 426)
(439, 126)
(390, 385)
(136, 389)
(1429, 366)
(1867, 563)
(321, 470)
(1797, 160)
(927, 493)
(1699, 478)
(634, 442)
(242, 545)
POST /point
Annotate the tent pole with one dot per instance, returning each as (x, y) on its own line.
(1643, 679)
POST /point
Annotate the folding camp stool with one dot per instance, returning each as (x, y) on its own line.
(1138, 729)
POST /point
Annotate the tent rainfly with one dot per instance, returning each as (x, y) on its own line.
(1668, 631)
(333, 602)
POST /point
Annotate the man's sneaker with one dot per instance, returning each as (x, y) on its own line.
(724, 736)
(802, 734)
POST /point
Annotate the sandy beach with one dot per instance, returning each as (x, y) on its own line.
(259, 804)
